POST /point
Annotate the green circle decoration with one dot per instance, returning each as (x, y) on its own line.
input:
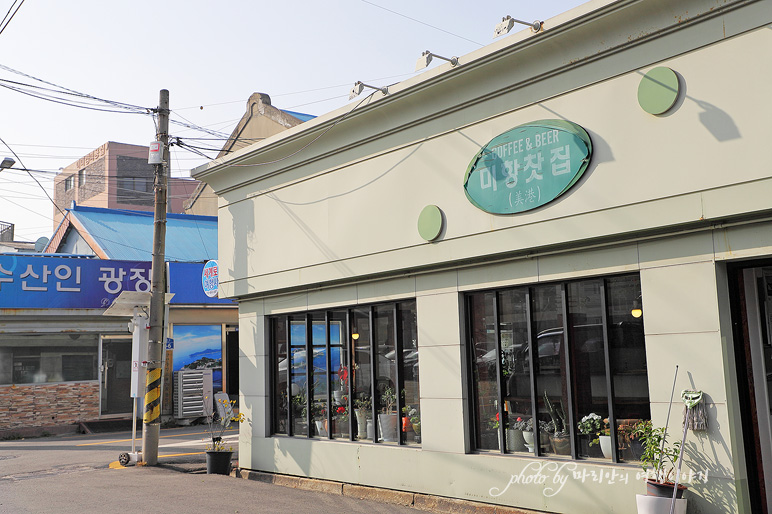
(430, 222)
(658, 90)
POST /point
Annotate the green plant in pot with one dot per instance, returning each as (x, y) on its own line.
(559, 438)
(387, 419)
(659, 455)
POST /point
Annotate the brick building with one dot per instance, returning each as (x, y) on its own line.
(115, 176)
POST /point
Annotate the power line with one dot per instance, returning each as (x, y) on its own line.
(5, 23)
(421, 22)
(30, 174)
(314, 140)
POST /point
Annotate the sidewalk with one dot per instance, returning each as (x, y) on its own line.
(80, 474)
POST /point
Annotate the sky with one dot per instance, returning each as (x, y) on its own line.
(211, 56)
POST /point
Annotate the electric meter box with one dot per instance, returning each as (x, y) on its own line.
(155, 156)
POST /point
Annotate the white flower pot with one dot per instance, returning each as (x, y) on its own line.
(362, 424)
(658, 505)
(528, 438)
(605, 446)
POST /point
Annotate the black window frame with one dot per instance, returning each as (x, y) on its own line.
(397, 309)
(471, 355)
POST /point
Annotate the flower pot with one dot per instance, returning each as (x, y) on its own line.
(406, 425)
(561, 445)
(528, 438)
(218, 463)
(663, 489)
(362, 424)
(387, 424)
(337, 395)
(321, 431)
(605, 446)
(658, 505)
(515, 440)
(369, 429)
(586, 449)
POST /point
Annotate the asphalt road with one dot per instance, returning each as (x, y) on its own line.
(81, 474)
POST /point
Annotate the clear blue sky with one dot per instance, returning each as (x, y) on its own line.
(306, 55)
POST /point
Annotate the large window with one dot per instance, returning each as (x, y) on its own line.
(586, 385)
(363, 367)
(29, 359)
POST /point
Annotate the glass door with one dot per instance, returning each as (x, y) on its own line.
(115, 376)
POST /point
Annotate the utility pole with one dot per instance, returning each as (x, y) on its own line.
(152, 425)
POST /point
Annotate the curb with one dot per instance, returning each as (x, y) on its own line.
(418, 501)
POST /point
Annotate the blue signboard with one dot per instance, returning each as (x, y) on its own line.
(185, 283)
(51, 282)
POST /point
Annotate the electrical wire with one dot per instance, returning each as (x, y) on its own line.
(421, 22)
(31, 176)
(5, 23)
(314, 140)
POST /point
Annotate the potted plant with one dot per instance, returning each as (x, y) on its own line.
(415, 421)
(363, 407)
(387, 419)
(340, 418)
(658, 456)
(559, 438)
(319, 417)
(591, 426)
(528, 437)
(218, 455)
(515, 439)
(493, 431)
(338, 393)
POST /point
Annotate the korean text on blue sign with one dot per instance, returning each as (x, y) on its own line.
(50, 282)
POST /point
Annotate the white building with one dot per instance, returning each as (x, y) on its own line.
(386, 243)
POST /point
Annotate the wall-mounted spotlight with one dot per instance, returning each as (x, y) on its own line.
(508, 22)
(360, 86)
(426, 58)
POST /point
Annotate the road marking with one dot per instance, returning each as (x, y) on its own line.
(162, 437)
(200, 442)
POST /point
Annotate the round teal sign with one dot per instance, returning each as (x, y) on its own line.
(528, 166)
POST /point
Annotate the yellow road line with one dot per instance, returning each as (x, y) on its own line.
(162, 437)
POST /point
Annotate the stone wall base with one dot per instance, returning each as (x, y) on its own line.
(26, 406)
(424, 502)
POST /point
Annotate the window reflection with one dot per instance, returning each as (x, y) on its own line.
(363, 367)
(587, 380)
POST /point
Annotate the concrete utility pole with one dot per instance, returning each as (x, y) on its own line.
(152, 425)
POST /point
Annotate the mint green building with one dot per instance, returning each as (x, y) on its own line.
(539, 233)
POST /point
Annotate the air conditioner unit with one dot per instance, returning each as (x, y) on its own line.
(191, 389)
